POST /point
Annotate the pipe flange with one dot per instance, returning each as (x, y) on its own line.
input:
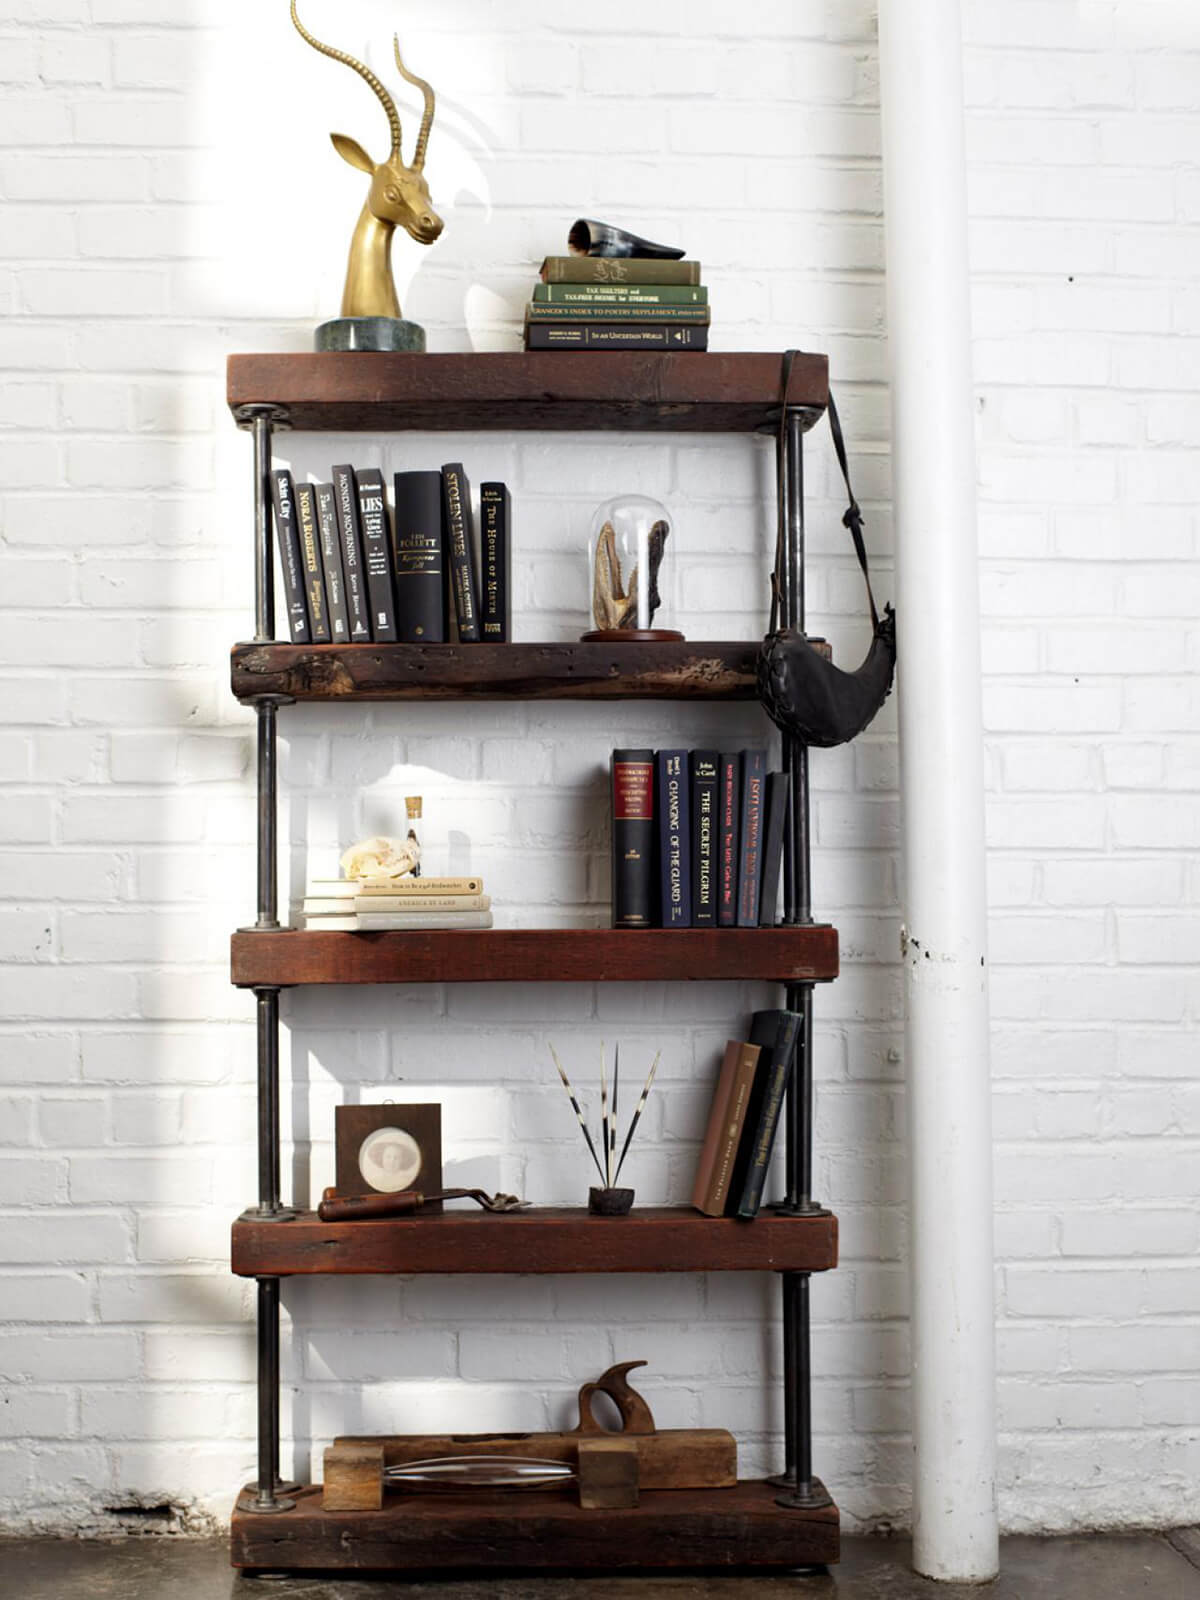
(247, 415)
(262, 1214)
(809, 417)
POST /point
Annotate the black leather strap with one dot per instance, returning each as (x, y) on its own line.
(852, 517)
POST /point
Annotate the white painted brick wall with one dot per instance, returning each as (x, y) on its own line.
(170, 195)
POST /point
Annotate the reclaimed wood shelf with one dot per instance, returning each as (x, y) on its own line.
(650, 1239)
(806, 954)
(711, 670)
(741, 1526)
(551, 391)
(484, 1533)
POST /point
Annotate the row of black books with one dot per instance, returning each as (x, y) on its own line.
(697, 838)
(743, 1118)
(356, 571)
(610, 303)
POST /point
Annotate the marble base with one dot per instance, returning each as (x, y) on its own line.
(369, 333)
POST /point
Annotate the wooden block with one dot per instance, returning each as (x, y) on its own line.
(490, 1533)
(354, 1476)
(608, 1473)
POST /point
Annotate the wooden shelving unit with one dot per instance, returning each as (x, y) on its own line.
(717, 671)
(791, 1521)
(536, 955)
(626, 390)
(650, 1239)
(674, 1528)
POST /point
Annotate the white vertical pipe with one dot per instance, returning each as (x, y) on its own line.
(955, 1533)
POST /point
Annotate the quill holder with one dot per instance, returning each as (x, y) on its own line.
(605, 1199)
(610, 1202)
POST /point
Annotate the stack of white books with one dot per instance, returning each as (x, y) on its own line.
(384, 905)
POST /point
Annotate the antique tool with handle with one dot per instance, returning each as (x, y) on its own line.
(336, 1207)
(671, 1458)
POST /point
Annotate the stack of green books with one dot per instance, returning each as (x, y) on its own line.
(617, 303)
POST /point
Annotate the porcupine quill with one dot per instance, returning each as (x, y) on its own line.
(641, 1106)
(578, 1112)
(611, 1169)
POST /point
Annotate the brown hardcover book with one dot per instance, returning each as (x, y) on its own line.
(714, 1171)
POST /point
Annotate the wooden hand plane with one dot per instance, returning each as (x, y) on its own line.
(669, 1458)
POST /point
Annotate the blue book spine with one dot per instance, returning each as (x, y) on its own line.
(674, 838)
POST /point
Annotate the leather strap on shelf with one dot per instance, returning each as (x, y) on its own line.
(852, 517)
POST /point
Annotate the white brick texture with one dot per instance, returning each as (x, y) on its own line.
(170, 196)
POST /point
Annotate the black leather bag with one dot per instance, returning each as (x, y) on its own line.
(804, 694)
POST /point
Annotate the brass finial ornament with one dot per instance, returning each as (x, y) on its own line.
(398, 196)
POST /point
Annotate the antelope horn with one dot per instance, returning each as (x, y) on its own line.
(418, 160)
(385, 99)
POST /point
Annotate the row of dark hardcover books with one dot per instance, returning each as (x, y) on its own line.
(697, 838)
(605, 303)
(744, 1116)
(356, 571)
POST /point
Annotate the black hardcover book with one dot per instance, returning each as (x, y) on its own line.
(460, 550)
(354, 567)
(729, 827)
(495, 542)
(283, 498)
(420, 569)
(633, 897)
(778, 786)
(377, 553)
(331, 560)
(674, 839)
(775, 1032)
(750, 837)
(705, 782)
(614, 336)
(310, 555)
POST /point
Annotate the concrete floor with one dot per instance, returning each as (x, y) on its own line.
(1095, 1567)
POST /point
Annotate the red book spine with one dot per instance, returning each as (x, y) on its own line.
(633, 898)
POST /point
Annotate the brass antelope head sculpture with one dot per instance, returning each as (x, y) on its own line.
(398, 194)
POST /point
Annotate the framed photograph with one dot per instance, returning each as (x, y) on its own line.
(383, 1149)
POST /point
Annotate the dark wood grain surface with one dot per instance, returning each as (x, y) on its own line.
(552, 390)
(720, 670)
(650, 1239)
(673, 1528)
(536, 955)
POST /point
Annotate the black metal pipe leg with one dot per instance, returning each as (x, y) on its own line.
(798, 1113)
(264, 585)
(787, 1478)
(269, 1208)
(802, 1492)
(268, 1099)
(267, 1496)
(793, 501)
(268, 787)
